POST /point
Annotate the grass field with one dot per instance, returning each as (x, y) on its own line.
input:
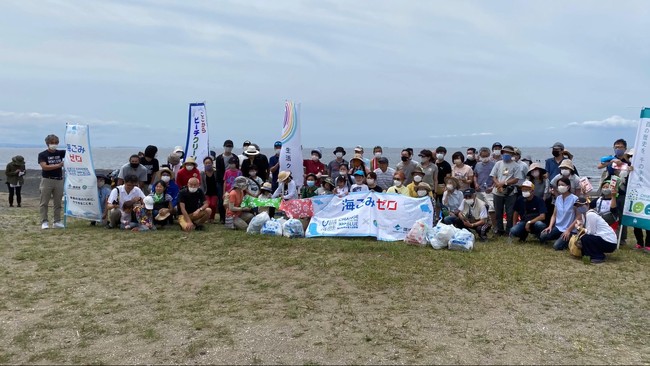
(97, 296)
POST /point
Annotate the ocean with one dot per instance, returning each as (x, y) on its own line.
(585, 158)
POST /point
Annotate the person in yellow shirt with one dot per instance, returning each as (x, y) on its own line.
(398, 184)
(418, 176)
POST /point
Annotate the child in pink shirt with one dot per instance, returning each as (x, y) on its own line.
(231, 173)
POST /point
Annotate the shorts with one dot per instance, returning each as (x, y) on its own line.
(488, 198)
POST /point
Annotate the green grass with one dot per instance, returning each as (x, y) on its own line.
(91, 295)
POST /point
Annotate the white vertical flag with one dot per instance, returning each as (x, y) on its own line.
(291, 154)
(81, 195)
(636, 212)
(198, 140)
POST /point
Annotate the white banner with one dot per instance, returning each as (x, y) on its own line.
(198, 139)
(291, 153)
(636, 212)
(81, 196)
(386, 216)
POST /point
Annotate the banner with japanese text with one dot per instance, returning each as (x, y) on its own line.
(291, 153)
(81, 195)
(198, 140)
(636, 212)
(386, 216)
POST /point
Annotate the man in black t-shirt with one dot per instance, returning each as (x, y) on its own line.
(51, 161)
(150, 161)
(532, 211)
(193, 207)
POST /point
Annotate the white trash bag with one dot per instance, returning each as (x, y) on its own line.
(257, 223)
(293, 229)
(462, 240)
(418, 233)
(440, 235)
(272, 227)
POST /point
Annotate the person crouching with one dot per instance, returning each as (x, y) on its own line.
(472, 214)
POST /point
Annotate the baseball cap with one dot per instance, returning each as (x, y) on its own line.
(382, 160)
(425, 152)
(558, 145)
(358, 172)
(278, 143)
(528, 184)
(358, 148)
(246, 143)
(469, 192)
(228, 143)
(496, 144)
(581, 201)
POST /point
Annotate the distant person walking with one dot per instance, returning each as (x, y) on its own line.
(15, 171)
(51, 161)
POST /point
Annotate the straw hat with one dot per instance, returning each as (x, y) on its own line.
(423, 185)
(357, 157)
(329, 181)
(566, 163)
(418, 171)
(534, 166)
(251, 151)
(452, 180)
(167, 170)
(267, 187)
(190, 160)
(162, 216)
(568, 154)
(284, 176)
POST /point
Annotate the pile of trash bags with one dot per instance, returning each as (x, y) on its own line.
(441, 236)
(263, 224)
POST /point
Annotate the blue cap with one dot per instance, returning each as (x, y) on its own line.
(278, 143)
(358, 172)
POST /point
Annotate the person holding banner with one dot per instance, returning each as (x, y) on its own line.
(310, 190)
(286, 187)
(51, 161)
(398, 184)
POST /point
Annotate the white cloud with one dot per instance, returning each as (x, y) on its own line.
(48, 119)
(607, 123)
(463, 135)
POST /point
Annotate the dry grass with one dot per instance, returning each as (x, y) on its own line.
(97, 296)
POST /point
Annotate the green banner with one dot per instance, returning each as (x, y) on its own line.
(253, 202)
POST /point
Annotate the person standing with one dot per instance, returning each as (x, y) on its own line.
(385, 174)
(274, 163)
(150, 162)
(209, 186)
(471, 158)
(505, 175)
(483, 181)
(262, 164)
(407, 165)
(314, 166)
(334, 165)
(133, 168)
(428, 167)
(15, 172)
(51, 162)
(374, 163)
(221, 165)
(444, 171)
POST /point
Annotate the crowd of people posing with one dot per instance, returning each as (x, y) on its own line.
(497, 190)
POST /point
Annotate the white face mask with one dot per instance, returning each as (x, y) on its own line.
(563, 189)
(370, 181)
(339, 154)
(470, 157)
(469, 201)
(422, 193)
(189, 168)
(458, 162)
(397, 183)
(378, 155)
(525, 194)
(424, 160)
(253, 173)
(485, 160)
(314, 157)
(228, 150)
(417, 178)
(343, 173)
(497, 152)
(535, 173)
(565, 172)
(192, 190)
(52, 147)
(450, 187)
(100, 184)
(277, 151)
(166, 178)
(439, 156)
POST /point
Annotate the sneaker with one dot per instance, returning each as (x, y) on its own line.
(638, 247)
(646, 250)
(597, 261)
(45, 226)
(19, 205)
(58, 225)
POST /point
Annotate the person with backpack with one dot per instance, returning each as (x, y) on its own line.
(15, 173)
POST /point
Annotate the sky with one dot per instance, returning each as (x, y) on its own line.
(366, 72)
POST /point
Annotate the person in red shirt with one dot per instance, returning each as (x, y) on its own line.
(314, 166)
(189, 170)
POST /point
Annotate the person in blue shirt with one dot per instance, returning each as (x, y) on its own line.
(167, 176)
(274, 164)
(564, 216)
(613, 164)
(103, 190)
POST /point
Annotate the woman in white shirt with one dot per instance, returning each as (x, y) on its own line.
(600, 238)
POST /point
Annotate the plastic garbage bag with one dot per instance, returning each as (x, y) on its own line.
(272, 227)
(293, 229)
(462, 240)
(257, 223)
(440, 235)
(418, 233)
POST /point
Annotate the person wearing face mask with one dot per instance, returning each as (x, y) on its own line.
(189, 170)
(398, 184)
(444, 171)
(253, 158)
(15, 173)
(357, 163)
(618, 164)
(163, 208)
(310, 189)
(532, 211)
(103, 191)
(471, 158)
(193, 207)
(464, 173)
(483, 182)
(406, 165)
(606, 206)
(553, 164)
(496, 152)
(564, 216)
(150, 162)
(359, 150)
(472, 215)
(274, 163)
(568, 171)
(220, 167)
(418, 178)
(127, 192)
(244, 156)
(371, 181)
(209, 186)
(505, 176)
(334, 165)
(428, 167)
(599, 237)
(286, 187)
(537, 175)
(231, 174)
(179, 150)
(451, 199)
(167, 176)
(314, 166)
(344, 173)
(133, 167)
(51, 162)
(376, 153)
(254, 183)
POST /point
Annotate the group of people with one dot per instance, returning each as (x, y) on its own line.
(476, 191)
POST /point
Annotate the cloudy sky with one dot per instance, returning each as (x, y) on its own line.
(395, 73)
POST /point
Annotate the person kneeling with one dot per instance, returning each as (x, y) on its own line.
(238, 217)
(532, 211)
(472, 214)
(193, 207)
(599, 237)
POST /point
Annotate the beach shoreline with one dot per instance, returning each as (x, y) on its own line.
(33, 181)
